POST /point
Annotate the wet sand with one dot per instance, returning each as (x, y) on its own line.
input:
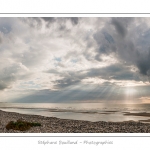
(144, 114)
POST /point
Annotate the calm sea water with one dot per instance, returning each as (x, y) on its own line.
(80, 111)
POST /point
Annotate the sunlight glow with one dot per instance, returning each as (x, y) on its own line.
(145, 99)
(130, 91)
(130, 95)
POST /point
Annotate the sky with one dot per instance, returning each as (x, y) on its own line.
(72, 59)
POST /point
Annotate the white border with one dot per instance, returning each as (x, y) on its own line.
(74, 6)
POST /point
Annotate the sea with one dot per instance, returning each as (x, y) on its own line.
(80, 111)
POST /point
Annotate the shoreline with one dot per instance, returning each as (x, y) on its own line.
(57, 125)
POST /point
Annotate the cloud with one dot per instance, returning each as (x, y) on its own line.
(143, 61)
(48, 19)
(3, 86)
(115, 71)
(74, 20)
(127, 43)
(81, 56)
(120, 27)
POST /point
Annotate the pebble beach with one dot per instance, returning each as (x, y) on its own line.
(56, 125)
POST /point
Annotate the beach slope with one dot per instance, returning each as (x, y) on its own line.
(56, 125)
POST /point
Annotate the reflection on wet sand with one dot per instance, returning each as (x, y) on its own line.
(81, 111)
(144, 114)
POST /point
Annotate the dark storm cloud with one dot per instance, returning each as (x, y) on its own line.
(139, 57)
(70, 78)
(116, 71)
(6, 81)
(66, 82)
(108, 37)
(120, 27)
(37, 21)
(1, 40)
(74, 20)
(127, 43)
(143, 63)
(3, 86)
(105, 44)
(48, 19)
(97, 57)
